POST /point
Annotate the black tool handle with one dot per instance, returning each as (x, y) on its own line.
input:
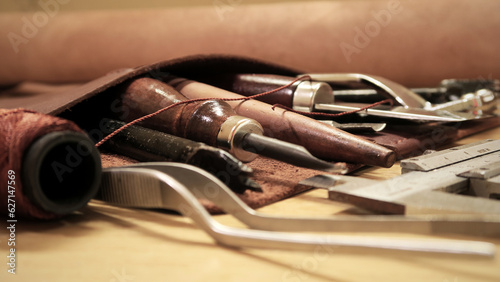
(145, 144)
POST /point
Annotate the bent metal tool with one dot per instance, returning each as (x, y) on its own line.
(420, 189)
(448, 90)
(153, 185)
(411, 106)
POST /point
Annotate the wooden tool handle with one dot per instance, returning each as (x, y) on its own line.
(198, 121)
(251, 84)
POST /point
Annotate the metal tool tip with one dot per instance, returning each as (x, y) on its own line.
(241, 183)
(290, 153)
(252, 185)
(245, 169)
(320, 181)
(340, 168)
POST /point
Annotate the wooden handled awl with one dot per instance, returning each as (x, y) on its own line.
(301, 96)
(322, 140)
(212, 122)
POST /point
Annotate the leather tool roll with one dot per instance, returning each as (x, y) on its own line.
(88, 104)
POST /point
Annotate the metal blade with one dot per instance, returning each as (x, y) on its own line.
(357, 127)
(288, 153)
(402, 95)
(397, 112)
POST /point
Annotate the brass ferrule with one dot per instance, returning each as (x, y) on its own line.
(309, 93)
(232, 133)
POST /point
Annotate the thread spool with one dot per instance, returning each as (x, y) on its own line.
(55, 166)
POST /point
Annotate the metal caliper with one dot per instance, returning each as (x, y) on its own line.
(470, 174)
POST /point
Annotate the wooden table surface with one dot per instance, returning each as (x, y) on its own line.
(106, 243)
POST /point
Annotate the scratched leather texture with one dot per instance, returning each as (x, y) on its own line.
(84, 103)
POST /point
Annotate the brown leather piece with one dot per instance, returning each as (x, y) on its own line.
(413, 139)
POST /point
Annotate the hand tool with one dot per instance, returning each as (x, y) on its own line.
(412, 106)
(212, 122)
(317, 95)
(177, 186)
(479, 104)
(301, 96)
(397, 112)
(447, 90)
(322, 140)
(422, 186)
(434, 224)
(145, 144)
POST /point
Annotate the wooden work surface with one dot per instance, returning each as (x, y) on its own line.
(106, 243)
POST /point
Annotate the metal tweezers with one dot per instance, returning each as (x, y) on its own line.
(177, 187)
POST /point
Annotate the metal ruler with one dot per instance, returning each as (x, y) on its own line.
(469, 174)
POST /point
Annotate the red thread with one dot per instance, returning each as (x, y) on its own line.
(192, 101)
(19, 128)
